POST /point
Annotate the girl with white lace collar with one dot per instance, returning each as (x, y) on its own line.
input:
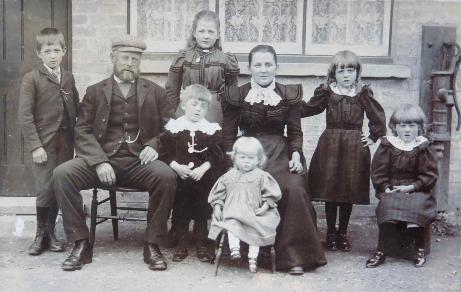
(191, 146)
(339, 172)
(403, 172)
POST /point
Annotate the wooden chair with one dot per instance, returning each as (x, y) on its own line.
(112, 198)
(219, 248)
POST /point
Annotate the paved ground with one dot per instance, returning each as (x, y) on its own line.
(118, 266)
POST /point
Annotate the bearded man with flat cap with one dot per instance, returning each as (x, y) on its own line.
(115, 142)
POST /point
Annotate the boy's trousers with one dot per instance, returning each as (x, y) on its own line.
(60, 149)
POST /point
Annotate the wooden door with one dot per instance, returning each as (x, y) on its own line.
(20, 20)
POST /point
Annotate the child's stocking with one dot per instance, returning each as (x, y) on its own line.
(418, 235)
(330, 214)
(234, 245)
(345, 210)
(253, 252)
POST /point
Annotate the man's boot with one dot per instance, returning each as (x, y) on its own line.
(80, 255)
(54, 245)
(41, 242)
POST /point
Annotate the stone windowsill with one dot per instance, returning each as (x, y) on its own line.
(151, 65)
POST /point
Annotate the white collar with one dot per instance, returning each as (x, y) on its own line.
(341, 91)
(118, 80)
(180, 124)
(51, 70)
(399, 144)
(267, 95)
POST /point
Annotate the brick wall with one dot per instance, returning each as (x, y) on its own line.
(95, 22)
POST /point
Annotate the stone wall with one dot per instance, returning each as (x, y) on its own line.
(95, 22)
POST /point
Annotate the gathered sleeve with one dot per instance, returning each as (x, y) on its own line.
(218, 193)
(316, 104)
(294, 94)
(270, 190)
(375, 114)
(175, 77)
(231, 116)
(380, 167)
(231, 70)
(427, 170)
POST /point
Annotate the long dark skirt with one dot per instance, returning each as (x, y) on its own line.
(297, 242)
(419, 208)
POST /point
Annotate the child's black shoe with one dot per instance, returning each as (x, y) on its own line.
(342, 242)
(203, 253)
(376, 259)
(420, 258)
(330, 242)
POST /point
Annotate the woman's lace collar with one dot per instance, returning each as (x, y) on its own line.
(180, 124)
(399, 144)
(266, 95)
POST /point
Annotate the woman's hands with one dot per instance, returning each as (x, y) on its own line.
(403, 189)
(295, 164)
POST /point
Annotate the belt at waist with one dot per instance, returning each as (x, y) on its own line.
(343, 126)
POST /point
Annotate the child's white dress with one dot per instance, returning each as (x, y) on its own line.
(240, 194)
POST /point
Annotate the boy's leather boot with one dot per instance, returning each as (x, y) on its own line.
(54, 245)
(41, 241)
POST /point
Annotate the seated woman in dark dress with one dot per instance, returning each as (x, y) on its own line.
(263, 108)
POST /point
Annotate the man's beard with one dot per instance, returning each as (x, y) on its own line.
(126, 75)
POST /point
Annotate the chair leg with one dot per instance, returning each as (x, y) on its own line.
(93, 215)
(113, 212)
(219, 251)
(273, 258)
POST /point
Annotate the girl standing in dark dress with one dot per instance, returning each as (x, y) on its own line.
(262, 108)
(339, 172)
(191, 146)
(403, 172)
(203, 62)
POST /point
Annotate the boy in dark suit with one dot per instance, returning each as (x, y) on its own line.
(47, 111)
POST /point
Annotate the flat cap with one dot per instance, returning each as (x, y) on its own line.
(128, 43)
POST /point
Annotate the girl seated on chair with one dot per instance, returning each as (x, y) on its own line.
(403, 172)
(244, 202)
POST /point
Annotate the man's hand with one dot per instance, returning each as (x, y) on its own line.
(263, 209)
(217, 213)
(182, 170)
(198, 172)
(39, 156)
(147, 155)
(106, 173)
(295, 164)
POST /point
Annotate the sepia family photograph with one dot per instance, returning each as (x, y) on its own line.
(230, 145)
